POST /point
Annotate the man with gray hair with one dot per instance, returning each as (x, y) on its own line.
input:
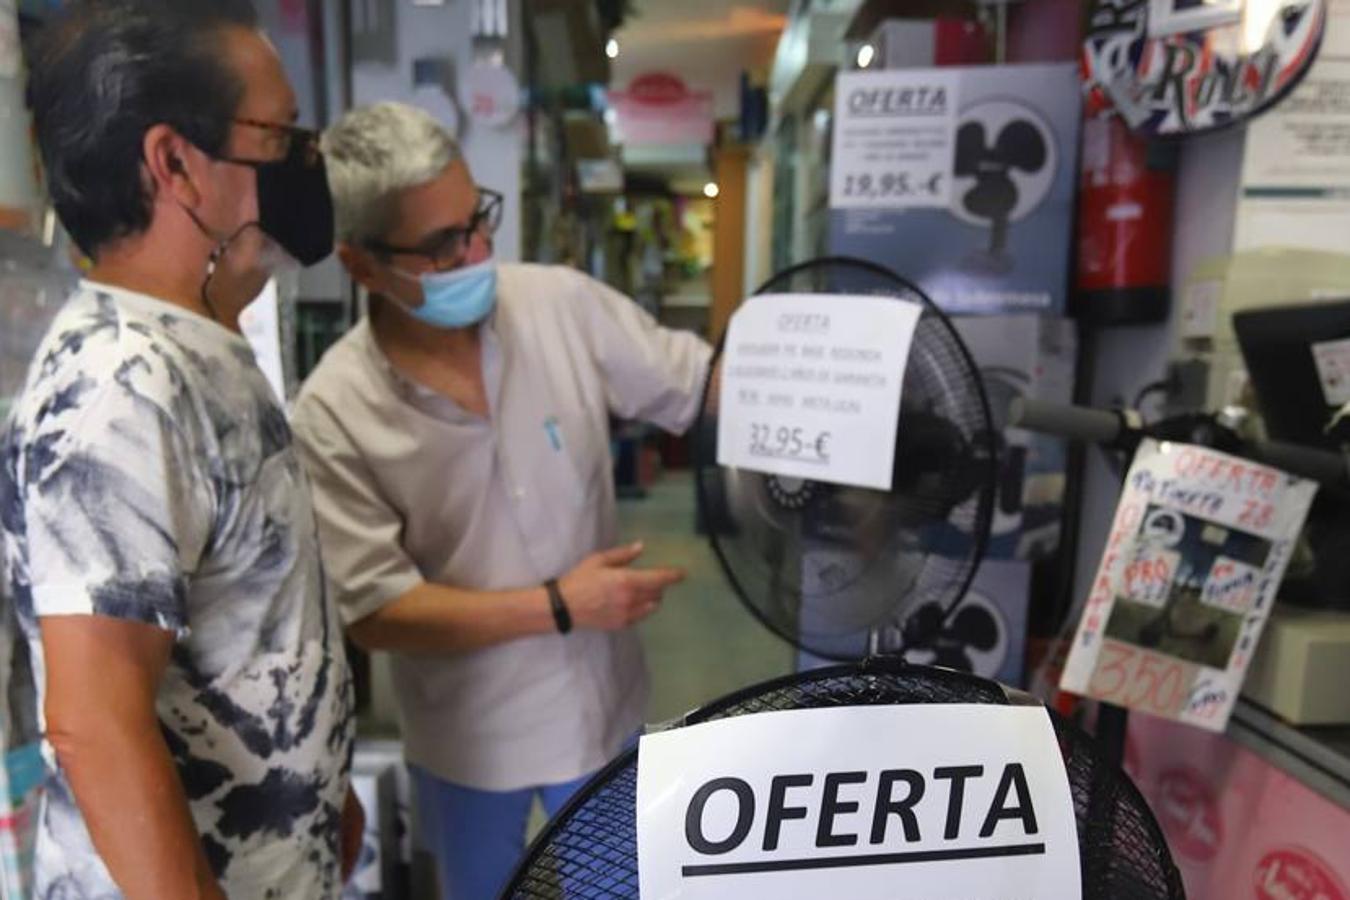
(459, 447)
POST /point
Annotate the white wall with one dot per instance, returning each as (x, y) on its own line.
(759, 218)
(493, 154)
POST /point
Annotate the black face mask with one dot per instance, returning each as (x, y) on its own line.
(295, 206)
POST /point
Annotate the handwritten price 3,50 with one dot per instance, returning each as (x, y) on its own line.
(1130, 676)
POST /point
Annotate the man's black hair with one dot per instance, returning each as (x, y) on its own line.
(103, 73)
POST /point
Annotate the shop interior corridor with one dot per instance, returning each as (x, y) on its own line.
(703, 643)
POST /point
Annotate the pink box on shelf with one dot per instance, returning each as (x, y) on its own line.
(1239, 828)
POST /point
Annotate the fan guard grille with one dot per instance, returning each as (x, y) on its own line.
(591, 846)
(838, 576)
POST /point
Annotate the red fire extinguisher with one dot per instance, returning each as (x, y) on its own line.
(1126, 195)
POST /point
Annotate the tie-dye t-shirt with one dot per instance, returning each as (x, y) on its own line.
(149, 475)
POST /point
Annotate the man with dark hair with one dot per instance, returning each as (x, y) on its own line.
(159, 542)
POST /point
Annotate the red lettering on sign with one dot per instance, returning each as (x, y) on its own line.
(1134, 677)
(1294, 873)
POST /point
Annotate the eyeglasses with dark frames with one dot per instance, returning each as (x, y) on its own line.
(301, 144)
(447, 248)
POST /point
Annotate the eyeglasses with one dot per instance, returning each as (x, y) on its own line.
(300, 144)
(447, 248)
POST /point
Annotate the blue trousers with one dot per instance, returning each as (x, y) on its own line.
(478, 837)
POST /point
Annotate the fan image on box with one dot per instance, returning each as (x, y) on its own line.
(973, 639)
(1005, 166)
(589, 850)
(836, 570)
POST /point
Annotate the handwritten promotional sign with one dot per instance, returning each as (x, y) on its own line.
(811, 386)
(1200, 543)
(924, 802)
(894, 139)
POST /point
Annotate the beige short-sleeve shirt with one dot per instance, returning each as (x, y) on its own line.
(410, 488)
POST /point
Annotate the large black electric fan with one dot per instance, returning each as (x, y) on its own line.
(838, 570)
(863, 574)
(589, 850)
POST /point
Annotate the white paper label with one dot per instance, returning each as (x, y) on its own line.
(1195, 557)
(1231, 586)
(1200, 314)
(923, 802)
(1333, 368)
(894, 139)
(811, 386)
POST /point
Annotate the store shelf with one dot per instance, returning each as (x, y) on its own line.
(1319, 757)
(687, 301)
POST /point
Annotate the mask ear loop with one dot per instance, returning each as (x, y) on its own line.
(217, 254)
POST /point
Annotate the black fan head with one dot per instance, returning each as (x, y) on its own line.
(591, 846)
(1019, 145)
(834, 569)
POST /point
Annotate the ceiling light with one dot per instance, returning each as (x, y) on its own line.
(612, 48)
(711, 190)
(866, 53)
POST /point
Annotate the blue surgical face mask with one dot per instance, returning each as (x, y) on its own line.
(459, 298)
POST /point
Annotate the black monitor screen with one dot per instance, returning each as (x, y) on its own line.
(1277, 345)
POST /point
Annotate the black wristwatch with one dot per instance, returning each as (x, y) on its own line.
(561, 617)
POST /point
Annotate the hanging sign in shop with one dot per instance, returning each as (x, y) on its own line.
(962, 179)
(1199, 545)
(811, 386)
(1177, 67)
(923, 802)
(894, 139)
(1296, 162)
(660, 109)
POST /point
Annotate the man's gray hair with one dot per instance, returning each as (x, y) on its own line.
(374, 152)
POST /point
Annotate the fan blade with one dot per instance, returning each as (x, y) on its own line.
(1021, 145)
(971, 148)
(976, 627)
(784, 583)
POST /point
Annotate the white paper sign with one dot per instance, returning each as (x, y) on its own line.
(923, 802)
(1333, 369)
(811, 386)
(894, 139)
(1200, 313)
(1218, 532)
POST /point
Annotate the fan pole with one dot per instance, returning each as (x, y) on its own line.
(1113, 723)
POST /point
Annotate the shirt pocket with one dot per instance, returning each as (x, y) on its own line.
(581, 448)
